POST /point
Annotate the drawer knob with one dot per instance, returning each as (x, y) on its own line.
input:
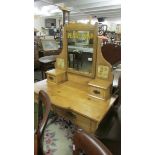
(51, 78)
(96, 92)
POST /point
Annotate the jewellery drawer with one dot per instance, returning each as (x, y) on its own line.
(98, 92)
(51, 78)
(56, 76)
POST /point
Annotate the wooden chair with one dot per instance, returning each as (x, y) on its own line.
(42, 121)
(76, 59)
(88, 144)
(80, 141)
(112, 53)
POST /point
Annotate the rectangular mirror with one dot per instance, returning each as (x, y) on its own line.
(80, 47)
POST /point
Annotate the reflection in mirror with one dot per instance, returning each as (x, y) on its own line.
(80, 51)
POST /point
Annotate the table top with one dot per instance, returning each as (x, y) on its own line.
(47, 59)
(73, 96)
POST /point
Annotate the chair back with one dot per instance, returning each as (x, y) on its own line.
(88, 144)
(112, 53)
(42, 119)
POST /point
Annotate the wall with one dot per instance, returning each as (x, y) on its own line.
(112, 23)
(39, 21)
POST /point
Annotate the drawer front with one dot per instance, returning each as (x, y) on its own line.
(98, 92)
(51, 78)
(57, 79)
(83, 122)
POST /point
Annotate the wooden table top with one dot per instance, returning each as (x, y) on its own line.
(47, 59)
(73, 96)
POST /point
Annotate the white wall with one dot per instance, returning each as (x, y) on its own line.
(112, 23)
(39, 21)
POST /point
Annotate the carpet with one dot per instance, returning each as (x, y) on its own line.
(58, 134)
(57, 137)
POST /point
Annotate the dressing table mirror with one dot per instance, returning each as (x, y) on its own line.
(80, 85)
(81, 51)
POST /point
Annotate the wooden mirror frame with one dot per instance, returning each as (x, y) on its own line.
(98, 59)
(81, 27)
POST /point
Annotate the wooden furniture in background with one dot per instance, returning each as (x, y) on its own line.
(49, 47)
(37, 48)
(76, 61)
(46, 62)
(70, 96)
(43, 53)
(112, 53)
(36, 57)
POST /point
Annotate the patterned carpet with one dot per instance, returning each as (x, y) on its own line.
(57, 134)
(57, 137)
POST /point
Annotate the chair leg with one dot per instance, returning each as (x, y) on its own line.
(73, 63)
(42, 74)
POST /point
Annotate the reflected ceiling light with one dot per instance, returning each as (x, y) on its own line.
(46, 10)
(37, 11)
(83, 21)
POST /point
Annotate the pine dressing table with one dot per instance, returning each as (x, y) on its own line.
(81, 95)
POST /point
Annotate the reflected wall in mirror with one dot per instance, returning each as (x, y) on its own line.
(80, 51)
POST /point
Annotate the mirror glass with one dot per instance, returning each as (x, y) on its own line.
(80, 51)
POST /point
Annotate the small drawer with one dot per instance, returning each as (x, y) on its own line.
(51, 78)
(98, 92)
(56, 78)
(82, 122)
